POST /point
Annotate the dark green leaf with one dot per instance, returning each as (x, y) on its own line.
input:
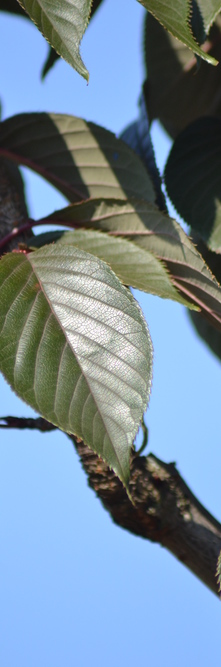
(52, 57)
(196, 22)
(75, 346)
(193, 178)
(81, 159)
(207, 332)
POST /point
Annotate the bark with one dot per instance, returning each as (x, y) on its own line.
(164, 510)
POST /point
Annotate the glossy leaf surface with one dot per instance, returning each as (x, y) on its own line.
(75, 346)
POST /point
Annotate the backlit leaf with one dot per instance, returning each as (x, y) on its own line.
(75, 346)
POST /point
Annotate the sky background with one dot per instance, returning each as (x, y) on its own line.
(74, 588)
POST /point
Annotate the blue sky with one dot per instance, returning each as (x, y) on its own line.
(74, 588)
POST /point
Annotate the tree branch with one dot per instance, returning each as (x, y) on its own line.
(164, 510)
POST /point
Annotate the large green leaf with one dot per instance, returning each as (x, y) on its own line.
(81, 159)
(158, 234)
(63, 24)
(177, 92)
(175, 16)
(193, 178)
(75, 346)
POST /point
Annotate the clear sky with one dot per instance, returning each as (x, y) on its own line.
(74, 588)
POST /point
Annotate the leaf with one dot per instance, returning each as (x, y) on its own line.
(196, 22)
(75, 346)
(207, 333)
(134, 266)
(204, 328)
(51, 59)
(52, 55)
(176, 91)
(158, 234)
(175, 16)
(209, 11)
(193, 178)
(12, 6)
(81, 159)
(63, 25)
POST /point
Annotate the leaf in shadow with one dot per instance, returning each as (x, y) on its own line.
(51, 59)
(81, 159)
(193, 178)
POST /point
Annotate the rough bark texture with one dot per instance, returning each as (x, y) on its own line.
(164, 510)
